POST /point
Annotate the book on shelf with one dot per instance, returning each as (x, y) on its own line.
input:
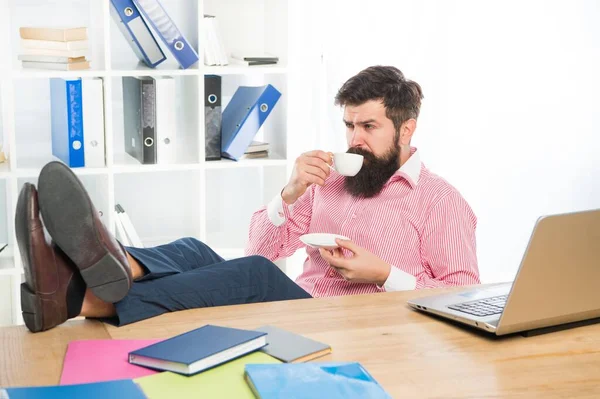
(53, 34)
(214, 48)
(254, 57)
(54, 49)
(255, 155)
(257, 146)
(56, 66)
(52, 45)
(235, 61)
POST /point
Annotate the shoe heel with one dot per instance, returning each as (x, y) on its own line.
(31, 306)
(107, 279)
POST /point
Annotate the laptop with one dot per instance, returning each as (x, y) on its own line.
(558, 282)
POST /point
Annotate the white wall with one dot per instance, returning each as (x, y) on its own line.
(511, 114)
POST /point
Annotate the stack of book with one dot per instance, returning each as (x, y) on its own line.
(63, 49)
(248, 59)
(257, 149)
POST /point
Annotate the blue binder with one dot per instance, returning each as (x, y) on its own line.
(66, 117)
(244, 115)
(164, 26)
(136, 31)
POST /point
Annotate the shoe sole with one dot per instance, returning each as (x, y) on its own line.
(31, 304)
(68, 215)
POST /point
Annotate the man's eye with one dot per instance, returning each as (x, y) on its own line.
(349, 125)
(369, 126)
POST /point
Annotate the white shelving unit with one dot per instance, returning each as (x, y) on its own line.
(210, 200)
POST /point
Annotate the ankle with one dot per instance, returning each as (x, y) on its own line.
(137, 271)
(95, 307)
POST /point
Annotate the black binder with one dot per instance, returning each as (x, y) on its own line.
(212, 117)
(139, 112)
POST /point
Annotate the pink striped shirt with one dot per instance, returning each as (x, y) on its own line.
(418, 223)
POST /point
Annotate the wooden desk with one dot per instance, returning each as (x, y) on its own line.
(409, 353)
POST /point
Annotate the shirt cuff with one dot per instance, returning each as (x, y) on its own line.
(276, 212)
(399, 280)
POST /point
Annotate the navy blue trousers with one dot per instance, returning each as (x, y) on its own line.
(187, 274)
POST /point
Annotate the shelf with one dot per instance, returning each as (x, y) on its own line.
(49, 73)
(127, 164)
(32, 166)
(244, 70)
(145, 71)
(272, 160)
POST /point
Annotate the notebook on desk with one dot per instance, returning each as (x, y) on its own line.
(292, 348)
(199, 349)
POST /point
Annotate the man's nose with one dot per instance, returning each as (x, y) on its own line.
(356, 139)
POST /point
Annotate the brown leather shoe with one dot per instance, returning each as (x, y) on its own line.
(54, 290)
(75, 226)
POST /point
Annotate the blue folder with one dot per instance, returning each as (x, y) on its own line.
(136, 31)
(164, 27)
(66, 116)
(243, 117)
(98, 390)
(312, 380)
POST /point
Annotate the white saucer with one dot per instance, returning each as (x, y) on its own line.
(321, 240)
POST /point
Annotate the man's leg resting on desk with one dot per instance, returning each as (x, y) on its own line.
(84, 270)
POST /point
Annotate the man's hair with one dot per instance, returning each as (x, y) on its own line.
(401, 97)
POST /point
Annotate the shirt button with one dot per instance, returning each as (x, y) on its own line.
(354, 216)
(331, 273)
(316, 295)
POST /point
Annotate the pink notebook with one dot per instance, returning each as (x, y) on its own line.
(102, 360)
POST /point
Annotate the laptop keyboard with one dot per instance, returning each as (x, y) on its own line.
(482, 307)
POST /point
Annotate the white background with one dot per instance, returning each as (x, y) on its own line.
(511, 115)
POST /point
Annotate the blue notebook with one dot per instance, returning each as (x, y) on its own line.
(199, 349)
(312, 380)
(244, 115)
(98, 390)
(66, 117)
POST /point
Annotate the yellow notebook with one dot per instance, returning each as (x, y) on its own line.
(224, 381)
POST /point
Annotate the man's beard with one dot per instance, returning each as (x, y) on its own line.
(375, 172)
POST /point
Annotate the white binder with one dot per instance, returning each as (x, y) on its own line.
(93, 121)
(166, 120)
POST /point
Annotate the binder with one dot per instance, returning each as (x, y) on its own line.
(67, 121)
(139, 113)
(135, 30)
(166, 120)
(93, 122)
(164, 26)
(212, 117)
(244, 116)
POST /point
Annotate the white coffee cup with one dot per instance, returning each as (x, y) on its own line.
(347, 164)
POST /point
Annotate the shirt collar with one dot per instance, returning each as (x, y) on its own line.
(411, 170)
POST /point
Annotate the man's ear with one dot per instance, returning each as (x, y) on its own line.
(406, 131)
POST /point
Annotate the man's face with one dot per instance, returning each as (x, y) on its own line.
(371, 134)
(368, 128)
